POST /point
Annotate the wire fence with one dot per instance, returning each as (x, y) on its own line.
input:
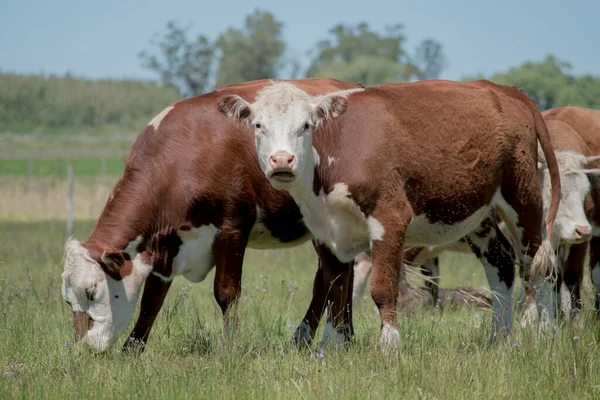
(63, 189)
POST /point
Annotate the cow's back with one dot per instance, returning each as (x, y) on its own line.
(574, 128)
(456, 135)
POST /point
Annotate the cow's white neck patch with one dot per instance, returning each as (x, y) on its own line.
(336, 220)
(316, 157)
(155, 122)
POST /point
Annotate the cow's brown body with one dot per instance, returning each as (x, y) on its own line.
(578, 129)
(436, 163)
(572, 231)
(415, 164)
(192, 167)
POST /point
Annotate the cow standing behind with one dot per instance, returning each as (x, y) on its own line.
(426, 163)
(578, 129)
(191, 197)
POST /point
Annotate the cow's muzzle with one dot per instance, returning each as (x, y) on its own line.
(282, 166)
(82, 323)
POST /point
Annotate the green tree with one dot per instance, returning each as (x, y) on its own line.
(551, 84)
(180, 62)
(254, 52)
(30, 102)
(543, 81)
(430, 59)
(583, 91)
(357, 53)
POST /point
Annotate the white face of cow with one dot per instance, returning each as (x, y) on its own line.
(102, 306)
(284, 142)
(571, 224)
(283, 118)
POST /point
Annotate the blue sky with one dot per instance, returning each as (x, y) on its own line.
(103, 38)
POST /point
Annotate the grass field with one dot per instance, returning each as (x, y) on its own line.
(40, 167)
(443, 354)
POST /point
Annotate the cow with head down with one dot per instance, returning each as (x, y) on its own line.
(420, 164)
(179, 210)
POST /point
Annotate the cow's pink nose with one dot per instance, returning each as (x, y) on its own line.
(584, 231)
(282, 160)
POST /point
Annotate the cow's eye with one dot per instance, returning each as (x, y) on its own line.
(306, 126)
(257, 125)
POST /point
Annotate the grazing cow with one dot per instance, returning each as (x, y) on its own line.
(191, 197)
(571, 225)
(578, 129)
(423, 164)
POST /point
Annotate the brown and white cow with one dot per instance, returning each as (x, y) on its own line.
(571, 225)
(425, 164)
(191, 197)
(578, 129)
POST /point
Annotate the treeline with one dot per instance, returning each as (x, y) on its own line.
(187, 65)
(551, 84)
(30, 102)
(195, 64)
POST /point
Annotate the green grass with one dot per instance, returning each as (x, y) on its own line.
(89, 166)
(442, 355)
(65, 145)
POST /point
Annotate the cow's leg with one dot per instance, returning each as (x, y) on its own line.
(564, 305)
(595, 270)
(560, 308)
(522, 213)
(362, 271)
(522, 295)
(307, 328)
(571, 272)
(530, 313)
(337, 282)
(497, 257)
(391, 220)
(153, 297)
(431, 270)
(229, 248)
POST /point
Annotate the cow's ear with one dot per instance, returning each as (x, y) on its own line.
(234, 107)
(114, 260)
(591, 172)
(329, 107)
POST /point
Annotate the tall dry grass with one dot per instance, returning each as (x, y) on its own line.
(44, 199)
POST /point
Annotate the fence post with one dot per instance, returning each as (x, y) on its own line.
(70, 201)
(30, 167)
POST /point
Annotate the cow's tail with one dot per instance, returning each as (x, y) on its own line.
(544, 262)
(548, 151)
